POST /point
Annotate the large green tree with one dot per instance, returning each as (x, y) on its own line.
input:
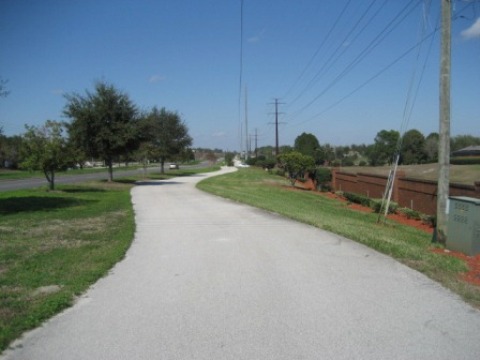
(307, 144)
(431, 147)
(384, 147)
(413, 148)
(462, 141)
(166, 133)
(10, 150)
(102, 123)
(45, 148)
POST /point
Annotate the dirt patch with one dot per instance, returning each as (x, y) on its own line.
(473, 263)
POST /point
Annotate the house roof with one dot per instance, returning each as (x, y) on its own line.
(469, 150)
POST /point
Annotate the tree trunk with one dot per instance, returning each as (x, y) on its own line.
(162, 166)
(110, 169)
(50, 176)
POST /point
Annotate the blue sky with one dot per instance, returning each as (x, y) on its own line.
(341, 69)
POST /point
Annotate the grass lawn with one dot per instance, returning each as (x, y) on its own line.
(406, 244)
(55, 244)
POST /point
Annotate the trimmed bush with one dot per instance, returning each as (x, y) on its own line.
(357, 199)
(376, 205)
(409, 213)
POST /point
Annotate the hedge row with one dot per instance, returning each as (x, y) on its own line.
(376, 205)
(467, 160)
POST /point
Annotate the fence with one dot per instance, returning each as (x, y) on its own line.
(416, 194)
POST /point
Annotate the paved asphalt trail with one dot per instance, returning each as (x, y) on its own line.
(208, 278)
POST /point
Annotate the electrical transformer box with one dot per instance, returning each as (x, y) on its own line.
(463, 228)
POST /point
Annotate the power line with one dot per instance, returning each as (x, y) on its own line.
(340, 15)
(395, 22)
(335, 56)
(371, 78)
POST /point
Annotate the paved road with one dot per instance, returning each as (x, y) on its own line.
(7, 185)
(208, 278)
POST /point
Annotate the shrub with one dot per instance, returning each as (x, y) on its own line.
(279, 172)
(266, 163)
(323, 177)
(409, 213)
(430, 220)
(251, 161)
(229, 158)
(376, 205)
(357, 198)
(347, 162)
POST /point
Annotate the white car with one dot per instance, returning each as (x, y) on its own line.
(173, 166)
(242, 165)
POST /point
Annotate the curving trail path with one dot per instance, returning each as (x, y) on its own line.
(207, 278)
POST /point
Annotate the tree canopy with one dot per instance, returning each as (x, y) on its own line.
(166, 134)
(307, 144)
(102, 123)
(296, 164)
(384, 147)
(46, 149)
(413, 148)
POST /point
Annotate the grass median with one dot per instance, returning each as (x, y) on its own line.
(406, 244)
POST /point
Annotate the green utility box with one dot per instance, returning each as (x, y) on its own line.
(463, 232)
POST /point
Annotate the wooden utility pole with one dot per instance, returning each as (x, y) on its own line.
(444, 138)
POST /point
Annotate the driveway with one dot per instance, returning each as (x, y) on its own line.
(207, 278)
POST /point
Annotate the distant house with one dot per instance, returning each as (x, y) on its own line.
(468, 151)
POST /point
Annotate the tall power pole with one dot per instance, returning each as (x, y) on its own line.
(444, 138)
(277, 147)
(247, 139)
(255, 136)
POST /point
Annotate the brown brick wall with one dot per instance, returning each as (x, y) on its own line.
(419, 195)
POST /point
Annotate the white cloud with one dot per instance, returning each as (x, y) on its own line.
(156, 78)
(219, 134)
(256, 38)
(473, 31)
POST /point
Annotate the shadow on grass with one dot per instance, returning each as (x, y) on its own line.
(82, 190)
(15, 205)
(155, 182)
(125, 181)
